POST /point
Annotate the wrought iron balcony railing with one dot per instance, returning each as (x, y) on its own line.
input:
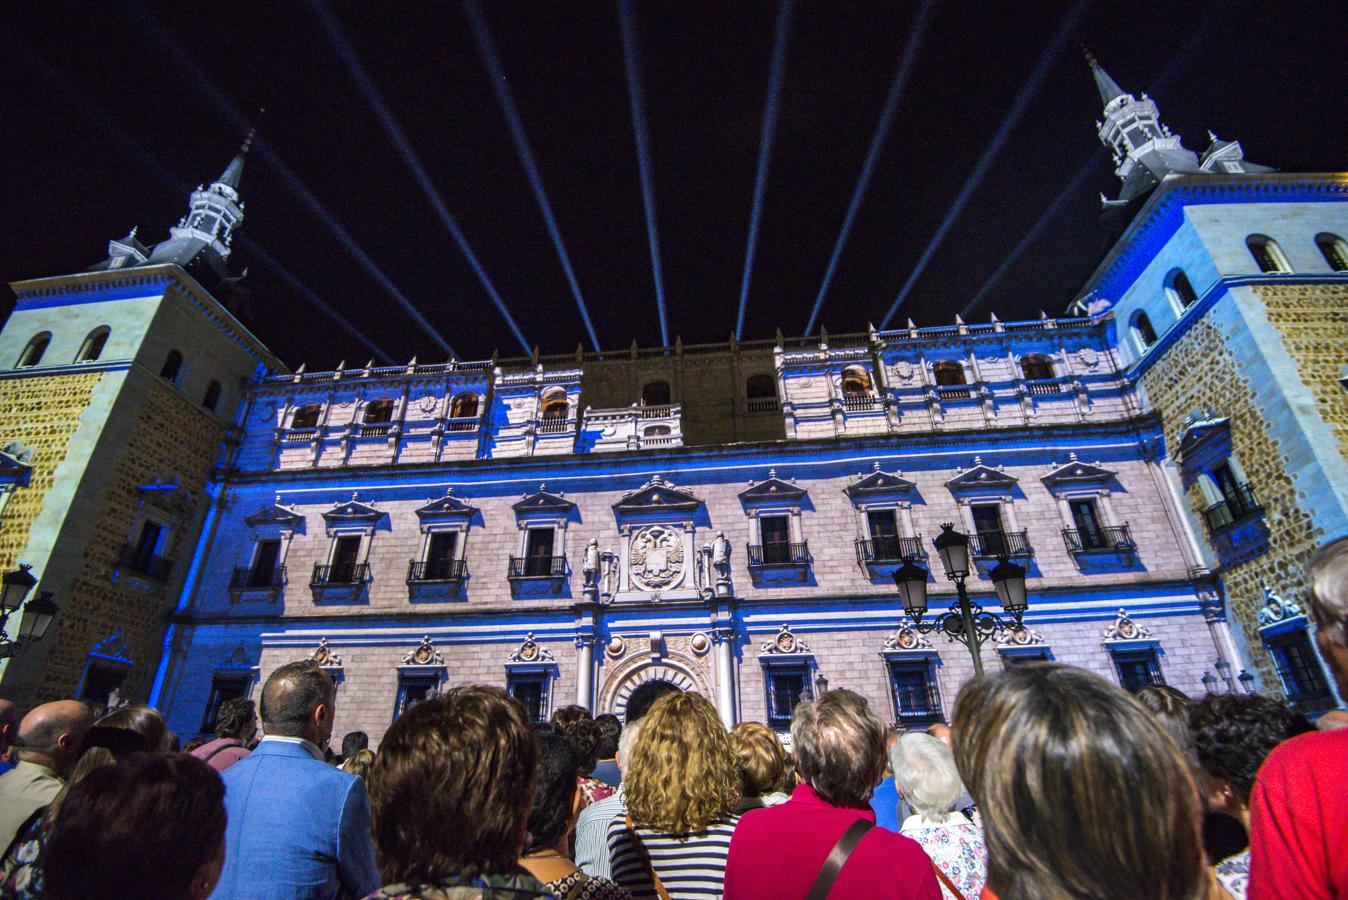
(1109, 537)
(1237, 505)
(436, 570)
(884, 550)
(466, 423)
(999, 543)
(764, 405)
(779, 554)
(1044, 387)
(249, 577)
(858, 402)
(537, 566)
(342, 573)
(553, 424)
(954, 392)
(147, 564)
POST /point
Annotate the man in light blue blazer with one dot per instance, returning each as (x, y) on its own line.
(299, 829)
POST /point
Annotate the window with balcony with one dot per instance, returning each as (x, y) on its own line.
(1303, 679)
(265, 571)
(172, 368)
(92, 348)
(306, 416)
(1137, 668)
(1086, 517)
(1178, 289)
(463, 406)
(856, 389)
(761, 392)
(656, 393)
(32, 354)
(988, 531)
(345, 567)
(539, 560)
(1236, 499)
(144, 555)
(1036, 367)
(1334, 250)
(377, 418)
(211, 399)
(950, 381)
(787, 684)
(1268, 256)
(917, 699)
(554, 408)
(441, 562)
(531, 690)
(1144, 335)
(775, 533)
(884, 543)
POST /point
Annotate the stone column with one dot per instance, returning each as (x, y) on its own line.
(725, 676)
(585, 672)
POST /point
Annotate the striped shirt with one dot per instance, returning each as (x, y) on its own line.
(690, 865)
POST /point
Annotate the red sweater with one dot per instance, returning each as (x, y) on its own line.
(1299, 820)
(777, 853)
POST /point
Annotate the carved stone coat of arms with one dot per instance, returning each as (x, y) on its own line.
(657, 558)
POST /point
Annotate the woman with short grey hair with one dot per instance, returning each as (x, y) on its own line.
(927, 778)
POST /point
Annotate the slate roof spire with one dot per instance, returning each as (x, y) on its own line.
(1109, 88)
(234, 171)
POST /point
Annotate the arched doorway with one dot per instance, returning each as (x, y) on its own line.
(634, 674)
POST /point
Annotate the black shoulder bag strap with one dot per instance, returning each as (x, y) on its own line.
(218, 750)
(837, 858)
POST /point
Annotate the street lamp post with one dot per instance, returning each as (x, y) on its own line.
(966, 621)
(37, 613)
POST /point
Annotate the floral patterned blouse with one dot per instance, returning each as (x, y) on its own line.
(1233, 873)
(593, 791)
(579, 886)
(956, 846)
(21, 869)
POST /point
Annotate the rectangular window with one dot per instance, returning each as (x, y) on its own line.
(1300, 672)
(988, 528)
(413, 687)
(344, 556)
(1137, 668)
(264, 564)
(147, 545)
(787, 685)
(440, 554)
(230, 686)
(775, 532)
(538, 553)
(101, 679)
(531, 690)
(884, 528)
(1086, 518)
(916, 696)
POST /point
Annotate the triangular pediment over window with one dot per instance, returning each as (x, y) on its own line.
(276, 514)
(353, 511)
(879, 484)
(543, 500)
(981, 476)
(1200, 428)
(772, 488)
(15, 464)
(657, 495)
(1074, 472)
(446, 507)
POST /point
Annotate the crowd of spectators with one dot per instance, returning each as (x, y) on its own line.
(1049, 782)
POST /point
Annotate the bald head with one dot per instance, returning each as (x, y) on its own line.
(941, 732)
(1333, 720)
(50, 734)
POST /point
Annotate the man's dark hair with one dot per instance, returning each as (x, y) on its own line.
(450, 787)
(232, 718)
(610, 728)
(641, 700)
(577, 724)
(353, 742)
(290, 696)
(1171, 706)
(1233, 733)
(142, 827)
(554, 788)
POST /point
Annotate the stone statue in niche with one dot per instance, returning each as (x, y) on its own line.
(590, 568)
(720, 557)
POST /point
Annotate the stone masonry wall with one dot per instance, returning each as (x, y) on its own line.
(1313, 320)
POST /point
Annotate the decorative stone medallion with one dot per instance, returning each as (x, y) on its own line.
(699, 644)
(657, 558)
(615, 647)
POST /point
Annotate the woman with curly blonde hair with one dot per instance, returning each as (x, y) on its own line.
(682, 785)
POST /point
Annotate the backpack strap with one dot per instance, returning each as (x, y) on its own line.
(837, 858)
(218, 750)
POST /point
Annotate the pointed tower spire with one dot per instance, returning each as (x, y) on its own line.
(234, 171)
(1108, 87)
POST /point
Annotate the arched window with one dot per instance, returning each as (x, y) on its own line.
(212, 398)
(92, 348)
(761, 387)
(656, 431)
(554, 404)
(377, 412)
(1181, 293)
(306, 416)
(1334, 250)
(949, 372)
(856, 382)
(1143, 334)
(1267, 254)
(173, 364)
(655, 393)
(464, 406)
(1036, 367)
(32, 354)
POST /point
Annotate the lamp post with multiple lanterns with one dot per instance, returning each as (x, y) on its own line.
(966, 621)
(37, 613)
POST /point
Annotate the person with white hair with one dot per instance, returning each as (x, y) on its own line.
(927, 778)
(1299, 804)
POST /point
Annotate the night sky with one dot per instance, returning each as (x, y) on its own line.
(106, 127)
